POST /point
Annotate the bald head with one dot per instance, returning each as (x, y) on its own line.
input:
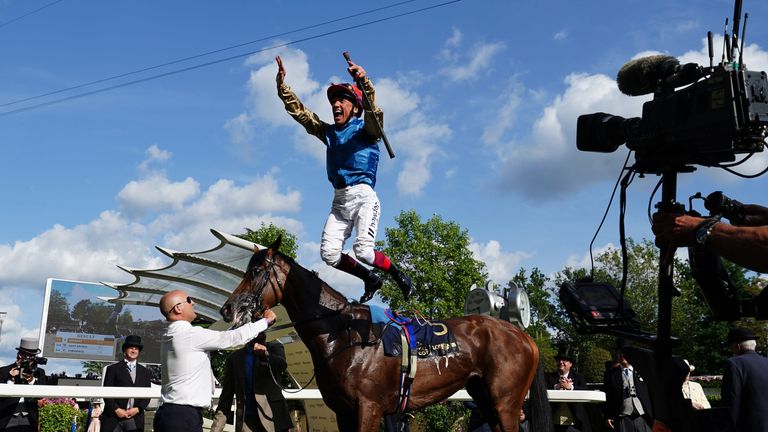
(177, 305)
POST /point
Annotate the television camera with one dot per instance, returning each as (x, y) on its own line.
(29, 365)
(698, 116)
(722, 112)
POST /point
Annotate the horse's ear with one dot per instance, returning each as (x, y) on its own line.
(255, 248)
(275, 246)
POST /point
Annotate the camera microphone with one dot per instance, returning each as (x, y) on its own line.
(646, 74)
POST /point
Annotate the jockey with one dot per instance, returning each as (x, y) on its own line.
(352, 157)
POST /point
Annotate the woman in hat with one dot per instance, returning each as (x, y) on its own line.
(693, 391)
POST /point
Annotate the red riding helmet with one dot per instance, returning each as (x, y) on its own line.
(347, 91)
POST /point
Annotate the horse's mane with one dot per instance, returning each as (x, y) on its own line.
(312, 275)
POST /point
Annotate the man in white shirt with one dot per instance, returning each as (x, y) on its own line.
(188, 381)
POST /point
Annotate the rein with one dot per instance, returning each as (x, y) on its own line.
(271, 271)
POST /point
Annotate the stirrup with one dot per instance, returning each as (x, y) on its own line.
(367, 296)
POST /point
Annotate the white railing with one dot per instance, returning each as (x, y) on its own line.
(85, 392)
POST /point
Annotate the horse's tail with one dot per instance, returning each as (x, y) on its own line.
(538, 411)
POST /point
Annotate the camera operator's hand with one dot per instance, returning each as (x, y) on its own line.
(675, 229)
(29, 378)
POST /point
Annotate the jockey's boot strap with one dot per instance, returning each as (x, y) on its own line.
(402, 280)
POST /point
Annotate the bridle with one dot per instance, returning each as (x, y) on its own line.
(265, 274)
(264, 278)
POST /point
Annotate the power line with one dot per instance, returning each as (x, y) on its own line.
(3, 24)
(198, 66)
(137, 71)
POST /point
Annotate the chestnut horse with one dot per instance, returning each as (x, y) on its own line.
(496, 362)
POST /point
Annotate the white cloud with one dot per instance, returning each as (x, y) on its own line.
(546, 164)
(230, 208)
(583, 261)
(84, 252)
(92, 251)
(501, 266)
(472, 64)
(448, 53)
(156, 194)
(561, 35)
(509, 101)
(420, 143)
(154, 154)
(411, 132)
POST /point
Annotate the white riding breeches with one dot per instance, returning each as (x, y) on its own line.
(355, 207)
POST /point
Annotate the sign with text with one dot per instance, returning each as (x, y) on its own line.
(80, 321)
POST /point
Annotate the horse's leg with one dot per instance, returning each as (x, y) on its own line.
(346, 422)
(369, 415)
(479, 392)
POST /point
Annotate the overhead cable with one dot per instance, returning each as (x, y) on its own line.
(209, 63)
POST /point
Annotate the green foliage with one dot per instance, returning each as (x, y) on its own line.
(701, 336)
(57, 417)
(218, 363)
(440, 417)
(266, 234)
(94, 367)
(592, 363)
(547, 351)
(58, 308)
(436, 255)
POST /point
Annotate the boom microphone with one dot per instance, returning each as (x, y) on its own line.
(647, 74)
(641, 76)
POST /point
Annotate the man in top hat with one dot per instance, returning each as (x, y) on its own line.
(628, 405)
(568, 417)
(126, 414)
(745, 380)
(20, 414)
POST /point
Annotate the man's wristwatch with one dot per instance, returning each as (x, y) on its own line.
(704, 229)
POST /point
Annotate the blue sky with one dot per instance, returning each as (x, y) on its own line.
(480, 101)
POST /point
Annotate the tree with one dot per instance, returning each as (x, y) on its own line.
(266, 234)
(58, 310)
(436, 255)
(701, 336)
(94, 367)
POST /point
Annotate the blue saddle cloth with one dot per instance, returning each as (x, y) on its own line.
(426, 339)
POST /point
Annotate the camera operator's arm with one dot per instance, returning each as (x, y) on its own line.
(755, 215)
(746, 246)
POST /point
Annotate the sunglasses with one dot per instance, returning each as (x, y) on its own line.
(189, 300)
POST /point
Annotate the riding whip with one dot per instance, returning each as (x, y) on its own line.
(367, 103)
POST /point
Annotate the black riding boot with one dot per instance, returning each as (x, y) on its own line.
(402, 280)
(372, 281)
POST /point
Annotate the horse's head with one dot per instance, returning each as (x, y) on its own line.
(261, 288)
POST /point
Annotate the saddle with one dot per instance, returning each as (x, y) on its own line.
(410, 339)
